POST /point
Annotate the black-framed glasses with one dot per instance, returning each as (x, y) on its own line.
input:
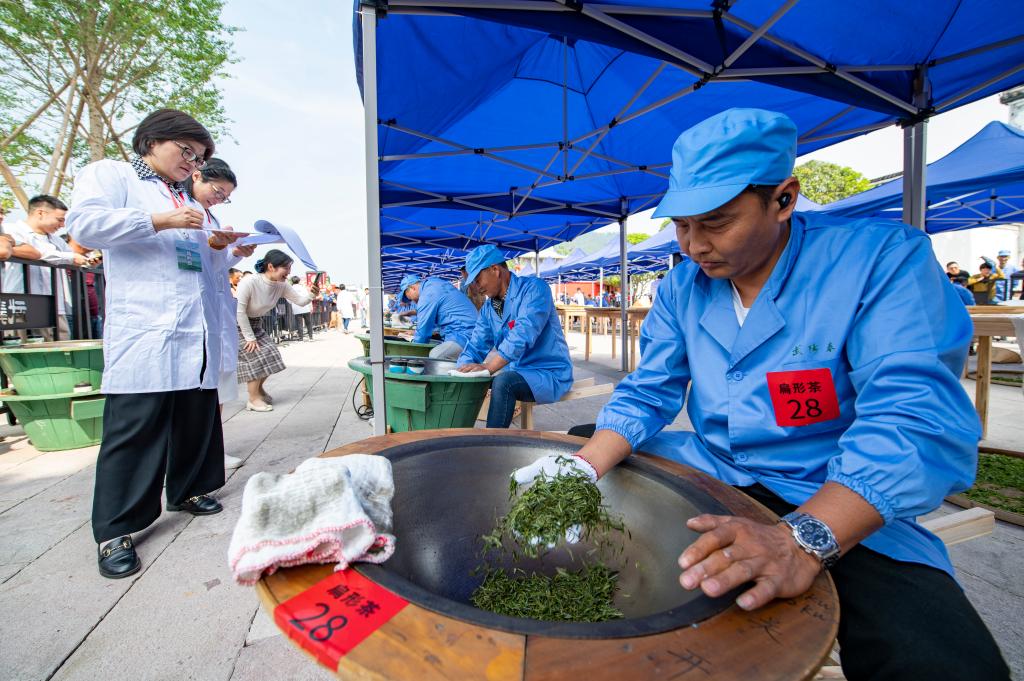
(191, 156)
(219, 193)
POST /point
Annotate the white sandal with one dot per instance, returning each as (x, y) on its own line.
(249, 406)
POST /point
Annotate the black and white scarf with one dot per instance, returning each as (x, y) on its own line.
(144, 172)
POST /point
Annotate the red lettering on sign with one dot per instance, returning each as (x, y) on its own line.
(801, 398)
(336, 615)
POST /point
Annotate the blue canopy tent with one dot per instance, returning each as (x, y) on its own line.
(521, 108)
(978, 184)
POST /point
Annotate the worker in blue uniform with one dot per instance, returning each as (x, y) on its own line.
(824, 383)
(517, 334)
(440, 306)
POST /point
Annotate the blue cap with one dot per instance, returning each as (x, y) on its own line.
(481, 258)
(716, 159)
(407, 281)
(1004, 253)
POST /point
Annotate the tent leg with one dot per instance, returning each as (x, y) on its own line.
(914, 162)
(369, 20)
(915, 158)
(624, 293)
(600, 286)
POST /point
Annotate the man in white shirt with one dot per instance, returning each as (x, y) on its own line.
(45, 217)
(579, 298)
(302, 312)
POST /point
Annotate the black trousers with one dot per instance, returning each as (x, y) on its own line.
(899, 620)
(148, 436)
(304, 318)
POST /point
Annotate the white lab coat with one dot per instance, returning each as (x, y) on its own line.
(160, 320)
(579, 299)
(53, 250)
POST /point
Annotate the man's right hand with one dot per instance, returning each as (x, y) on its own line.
(81, 260)
(183, 217)
(552, 465)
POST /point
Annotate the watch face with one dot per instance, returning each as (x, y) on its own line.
(815, 534)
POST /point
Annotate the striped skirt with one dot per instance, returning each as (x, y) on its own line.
(266, 360)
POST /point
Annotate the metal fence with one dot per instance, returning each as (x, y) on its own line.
(27, 310)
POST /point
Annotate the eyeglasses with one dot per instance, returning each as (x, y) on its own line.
(219, 193)
(191, 156)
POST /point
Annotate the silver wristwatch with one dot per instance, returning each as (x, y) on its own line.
(814, 537)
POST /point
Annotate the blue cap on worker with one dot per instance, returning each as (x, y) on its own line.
(407, 281)
(1004, 253)
(718, 158)
(481, 258)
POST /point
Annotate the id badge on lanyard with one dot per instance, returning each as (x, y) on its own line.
(187, 251)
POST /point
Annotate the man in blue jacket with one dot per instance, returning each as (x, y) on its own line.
(830, 394)
(440, 306)
(517, 333)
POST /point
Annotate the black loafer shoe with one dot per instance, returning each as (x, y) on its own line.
(200, 505)
(118, 559)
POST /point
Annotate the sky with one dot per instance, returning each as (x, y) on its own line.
(297, 131)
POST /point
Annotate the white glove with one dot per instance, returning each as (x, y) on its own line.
(551, 466)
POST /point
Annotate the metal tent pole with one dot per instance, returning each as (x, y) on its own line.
(915, 160)
(623, 289)
(369, 21)
(600, 285)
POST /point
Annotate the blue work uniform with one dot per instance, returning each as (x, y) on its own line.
(450, 311)
(879, 325)
(528, 335)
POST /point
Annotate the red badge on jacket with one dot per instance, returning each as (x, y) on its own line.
(511, 323)
(801, 398)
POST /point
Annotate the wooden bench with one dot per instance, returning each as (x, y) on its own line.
(951, 529)
(582, 388)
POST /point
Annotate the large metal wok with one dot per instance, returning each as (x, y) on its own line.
(450, 490)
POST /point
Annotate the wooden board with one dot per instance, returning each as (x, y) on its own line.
(788, 639)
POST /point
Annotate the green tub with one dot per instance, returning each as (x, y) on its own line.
(39, 369)
(56, 422)
(397, 348)
(429, 400)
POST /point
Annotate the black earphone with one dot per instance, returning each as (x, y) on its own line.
(784, 200)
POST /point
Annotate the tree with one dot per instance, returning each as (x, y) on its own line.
(827, 182)
(76, 77)
(638, 282)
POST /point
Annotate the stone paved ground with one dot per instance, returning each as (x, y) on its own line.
(183, 618)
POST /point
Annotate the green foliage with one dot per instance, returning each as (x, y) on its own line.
(827, 182)
(122, 58)
(1000, 482)
(636, 238)
(564, 248)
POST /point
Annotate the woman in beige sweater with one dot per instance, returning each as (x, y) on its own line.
(258, 357)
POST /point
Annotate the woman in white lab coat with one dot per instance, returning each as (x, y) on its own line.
(162, 342)
(211, 186)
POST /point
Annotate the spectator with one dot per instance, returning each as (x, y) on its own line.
(94, 259)
(331, 301)
(954, 272)
(7, 245)
(234, 276)
(161, 356)
(578, 298)
(45, 216)
(1004, 287)
(258, 357)
(301, 313)
(654, 286)
(346, 306)
(364, 308)
(983, 284)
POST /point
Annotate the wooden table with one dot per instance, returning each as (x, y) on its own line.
(986, 325)
(635, 317)
(787, 639)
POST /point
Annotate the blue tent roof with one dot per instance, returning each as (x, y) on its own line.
(530, 125)
(978, 184)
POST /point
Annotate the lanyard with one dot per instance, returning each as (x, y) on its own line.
(177, 199)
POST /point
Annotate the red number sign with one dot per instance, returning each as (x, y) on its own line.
(336, 615)
(801, 398)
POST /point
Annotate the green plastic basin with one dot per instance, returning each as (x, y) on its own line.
(397, 348)
(40, 369)
(57, 422)
(424, 402)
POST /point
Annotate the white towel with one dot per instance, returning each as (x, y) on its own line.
(469, 374)
(330, 510)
